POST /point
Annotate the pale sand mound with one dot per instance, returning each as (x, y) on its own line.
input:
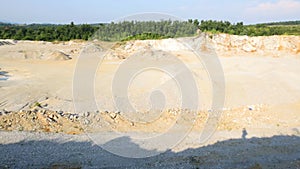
(59, 55)
(31, 54)
(39, 50)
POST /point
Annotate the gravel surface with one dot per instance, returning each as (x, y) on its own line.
(41, 150)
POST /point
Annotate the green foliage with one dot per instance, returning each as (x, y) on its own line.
(287, 28)
(145, 36)
(289, 23)
(133, 30)
(46, 32)
(145, 30)
(108, 32)
(35, 104)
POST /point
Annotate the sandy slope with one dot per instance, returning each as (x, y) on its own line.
(262, 96)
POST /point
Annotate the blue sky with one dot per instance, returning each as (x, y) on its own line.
(95, 11)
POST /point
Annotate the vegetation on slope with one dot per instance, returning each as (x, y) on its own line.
(145, 30)
(46, 32)
(141, 30)
(279, 28)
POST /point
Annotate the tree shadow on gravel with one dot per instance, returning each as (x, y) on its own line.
(273, 152)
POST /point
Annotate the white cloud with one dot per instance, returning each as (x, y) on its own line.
(278, 10)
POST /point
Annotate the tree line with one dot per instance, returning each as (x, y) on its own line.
(46, 32)
(267, 29)
(108, 32)
(129, 30)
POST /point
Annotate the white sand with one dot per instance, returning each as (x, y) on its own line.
(270, 84)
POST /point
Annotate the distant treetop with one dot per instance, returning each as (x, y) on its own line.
(131, 30)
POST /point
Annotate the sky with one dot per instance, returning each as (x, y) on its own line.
(96, 11)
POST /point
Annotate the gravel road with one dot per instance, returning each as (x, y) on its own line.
(50, 150)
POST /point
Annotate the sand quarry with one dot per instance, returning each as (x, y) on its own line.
(259, 126)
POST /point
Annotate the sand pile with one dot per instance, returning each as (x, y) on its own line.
(31, 54)
(39, 50)
(223, 44)
(59, 55)
(274, 46)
